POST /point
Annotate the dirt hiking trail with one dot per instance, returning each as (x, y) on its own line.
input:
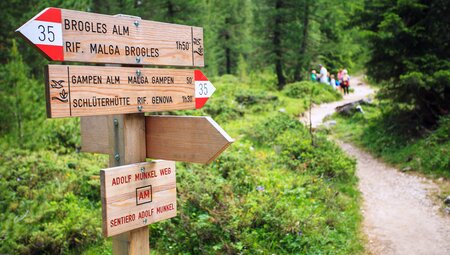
(319, 112)
(399, 214)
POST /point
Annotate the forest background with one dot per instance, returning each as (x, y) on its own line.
(241, 38)
(259, 53)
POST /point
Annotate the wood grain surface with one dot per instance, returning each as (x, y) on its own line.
(103, 90)
(95, 135)
(125, 191)
(185, 138)
(98, 38)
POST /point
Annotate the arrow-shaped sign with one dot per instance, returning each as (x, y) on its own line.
(185, 138)
(102, 90)
(67, 35)
(178, 138)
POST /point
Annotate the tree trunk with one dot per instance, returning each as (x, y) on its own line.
(277, 45)
(170, 11)
(227, 53)
(303, 44)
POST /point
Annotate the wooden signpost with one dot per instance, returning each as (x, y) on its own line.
(67, 35)
(196, 139)
(100, 90)
(185, 138)
(137, 195)
(134, 193)
(128, 147)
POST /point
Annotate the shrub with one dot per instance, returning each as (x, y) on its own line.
(46, 206)
(251, 97)
(299, 89)
(324, 159)
(322, 93)
(420, 97)
(264, 80)
(223, 109)
(265, 131)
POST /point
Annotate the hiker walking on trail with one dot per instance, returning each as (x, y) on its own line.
(332, 81)
(339, 75)
(323, 74)
(313, 76)
(338, 85)
(345, 83)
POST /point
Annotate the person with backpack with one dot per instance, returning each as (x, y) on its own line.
(338, 85)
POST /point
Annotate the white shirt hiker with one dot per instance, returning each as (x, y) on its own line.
(333, 83)
(323, 75)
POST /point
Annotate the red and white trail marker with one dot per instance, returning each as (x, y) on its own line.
(203, 89)
(45, 32)
(67, 35)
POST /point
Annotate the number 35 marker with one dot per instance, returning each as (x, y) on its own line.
(45, 32)
(203, 89)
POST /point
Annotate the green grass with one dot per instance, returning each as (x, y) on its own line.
(48, 203)
(309, 203)
(271, 192)
(428, 154)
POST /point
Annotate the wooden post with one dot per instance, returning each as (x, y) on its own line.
(127, 134)
(123, 137)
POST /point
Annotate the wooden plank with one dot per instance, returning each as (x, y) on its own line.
(101, 90)
(95, 135)
(126, 141)
(185, 138)
(67, 35)
(137, 195)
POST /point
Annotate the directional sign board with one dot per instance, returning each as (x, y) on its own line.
(100, 90)
(137, 195)
(67, 35)
(185, 138)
